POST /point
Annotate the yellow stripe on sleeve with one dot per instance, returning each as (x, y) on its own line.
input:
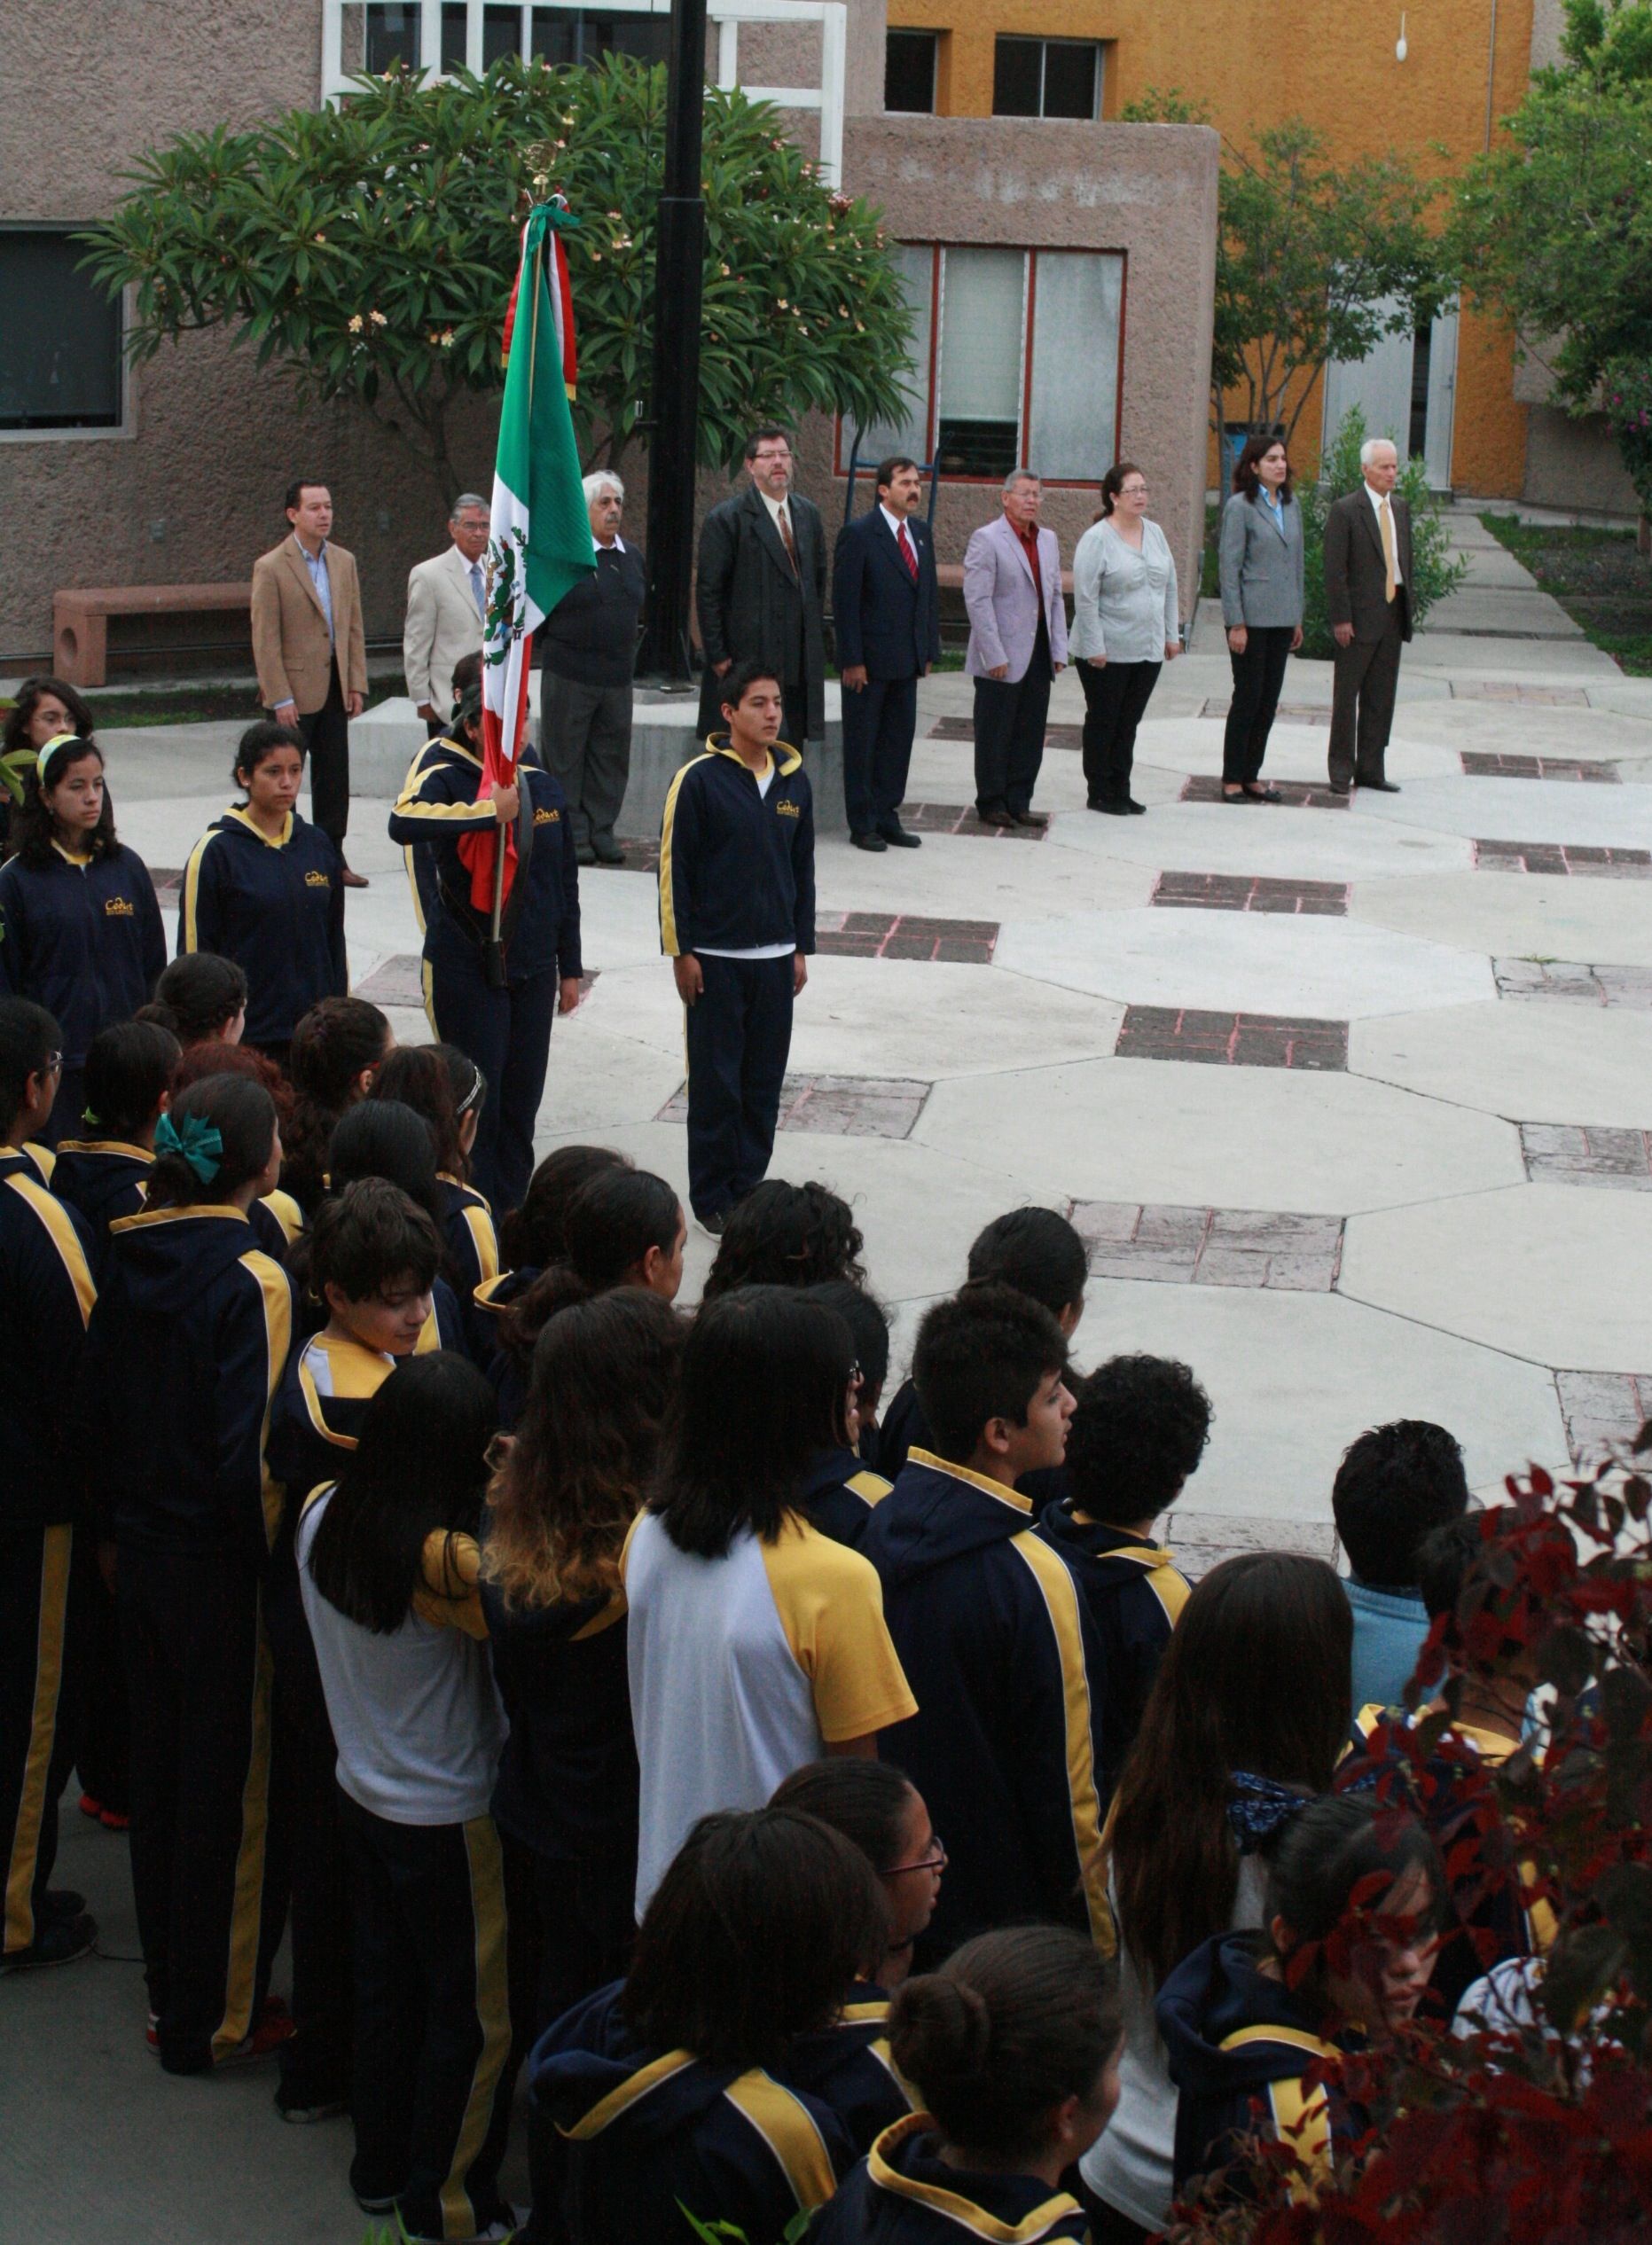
(192, 889)
(1060, 1599)
(59, 1228)
(1302, 2120)
(484, 1239)
(277, 1304)
(619, 2100)
(667, 876)
(56, 1550)
(788, 2127)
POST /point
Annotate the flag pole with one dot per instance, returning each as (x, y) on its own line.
(493, 955)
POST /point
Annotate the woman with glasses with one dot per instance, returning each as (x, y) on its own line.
(1126, 625)
(1262, 606)
(881, 1811)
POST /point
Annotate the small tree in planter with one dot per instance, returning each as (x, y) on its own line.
(1433, 572)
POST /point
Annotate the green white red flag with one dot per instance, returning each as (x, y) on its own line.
(540, 545)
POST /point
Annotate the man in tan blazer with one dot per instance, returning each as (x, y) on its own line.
(310, 651)
(445, 603)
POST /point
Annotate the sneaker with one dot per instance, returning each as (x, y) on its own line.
(59, 1941)
(112, 1820)
(309, 2116)
(373, 2205)
(151, 2033)
(607, 850)
(714, 1226)
(91, 1807)
(271, 2029)
(498, 2233)
(62, 1901)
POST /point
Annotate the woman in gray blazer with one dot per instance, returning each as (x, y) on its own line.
(1262, 606)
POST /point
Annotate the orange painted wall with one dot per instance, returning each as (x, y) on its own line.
(1253, 62)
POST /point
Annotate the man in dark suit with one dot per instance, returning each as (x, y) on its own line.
(887, 610)
(1367, 597)
(759, 593)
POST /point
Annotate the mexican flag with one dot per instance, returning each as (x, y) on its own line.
(540, 545)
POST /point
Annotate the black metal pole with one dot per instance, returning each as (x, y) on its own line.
(674, 405)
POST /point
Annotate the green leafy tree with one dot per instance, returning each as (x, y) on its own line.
(368, 248)
(1556, 223)
(1313, 260)
(1433, 572)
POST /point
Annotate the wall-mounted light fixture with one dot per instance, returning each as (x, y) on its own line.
(1401, 46)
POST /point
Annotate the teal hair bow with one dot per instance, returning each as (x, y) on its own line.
(200, 1146)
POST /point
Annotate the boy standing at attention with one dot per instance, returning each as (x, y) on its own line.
(737, 920)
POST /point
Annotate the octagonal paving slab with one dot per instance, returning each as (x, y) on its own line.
(1163, 1132)
(1554, 1273)
(1535, 810)
(1513, 915)
(1329, 969)
(1268, 839)
(1295, 750)
(1533, 1060)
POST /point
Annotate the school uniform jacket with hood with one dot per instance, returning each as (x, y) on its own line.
(276, 909)
(737, 868)
(82, 937)
(903, 2192)
(647, 2132)
(505, 1370)
(104, 1180)
(467, 1231)
(1135, 1595)
(46, 1286)
(838, 1494)
(1239, 2044)
(1002, 1656)
(184, 1354)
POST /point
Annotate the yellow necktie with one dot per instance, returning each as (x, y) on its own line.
(1386, 515)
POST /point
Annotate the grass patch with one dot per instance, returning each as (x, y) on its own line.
(1599, 578)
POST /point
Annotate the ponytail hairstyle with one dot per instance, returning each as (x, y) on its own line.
(786, 1235)
(197, 998)
(1011, 2025)
(1332, 1866)
(419, 1470)
(213, 1058)
(468, 1085)
(611, 1222)
(418, 1076)
(535, 1236)
(576, 1474)
(129, 1075)
(33, 829)
(335, 1045)
(190, 1171)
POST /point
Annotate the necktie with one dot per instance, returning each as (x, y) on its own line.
(1386, 516)
(784, 521)
(907, 555)
(475, 590)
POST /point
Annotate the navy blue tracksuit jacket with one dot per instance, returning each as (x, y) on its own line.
(276, 909)
(737, 868)
(1135, 1594)
(903, 2192)
(1002, 1657)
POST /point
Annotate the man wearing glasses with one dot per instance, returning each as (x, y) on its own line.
(759, 593)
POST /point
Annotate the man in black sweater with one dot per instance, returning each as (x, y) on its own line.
(588, 645)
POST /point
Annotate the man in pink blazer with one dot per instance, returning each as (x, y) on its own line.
(1017, 644)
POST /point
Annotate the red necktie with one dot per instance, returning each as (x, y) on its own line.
(907, 555)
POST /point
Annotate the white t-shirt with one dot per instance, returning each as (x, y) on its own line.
(415, 1713)
(744, 1668)
(765, 780)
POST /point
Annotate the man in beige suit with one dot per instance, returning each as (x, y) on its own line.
(446, 600)
(310, 651)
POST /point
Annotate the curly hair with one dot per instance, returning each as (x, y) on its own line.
(786, 1235)
(535, 1236)
(1138, 1431)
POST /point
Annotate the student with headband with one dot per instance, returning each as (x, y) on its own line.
(79, 929)
(184, 1354)
(265, 888)
(46, 1285)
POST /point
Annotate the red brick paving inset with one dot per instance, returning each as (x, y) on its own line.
(844, 1107)
(1210, 1246)
(1480, 766)
(1539, 697)
(1231, 1040)
(960, 818)
(1562, 858)
(1629, 986)
(1296, 795)
(399, 981)
(964, 729)
(1251, 893)
(1288, 713)
(1602, 1410)
(959, 942)
(1567, 1153)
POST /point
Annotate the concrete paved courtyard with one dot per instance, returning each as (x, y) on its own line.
(1353, 1103)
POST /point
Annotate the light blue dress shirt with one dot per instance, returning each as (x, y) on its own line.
(317, 564)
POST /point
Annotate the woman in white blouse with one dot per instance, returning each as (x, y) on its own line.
(1125, 623)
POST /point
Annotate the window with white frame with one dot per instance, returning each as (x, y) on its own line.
(1048, 78)
(1014, 362)
(61, 340)
(390, 31)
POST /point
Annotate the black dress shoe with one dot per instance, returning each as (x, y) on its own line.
(1136, 810)
(1116, 806)
(1379, 786)
(869, 841)
(996, 817)
(1039, 819)
(607, 849)
(1337, 788)
(897, 837)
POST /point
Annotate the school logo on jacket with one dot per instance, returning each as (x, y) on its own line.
(547, 818)
(117, 908)
(788, 811)
(316, 880)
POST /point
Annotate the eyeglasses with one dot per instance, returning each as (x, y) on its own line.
(935, 1862)
(51, 1064)
(783, 454)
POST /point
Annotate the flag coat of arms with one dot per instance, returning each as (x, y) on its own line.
(539, 543)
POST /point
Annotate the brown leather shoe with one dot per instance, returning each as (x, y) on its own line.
(354, 880)
(1030, 817)
(997, 817)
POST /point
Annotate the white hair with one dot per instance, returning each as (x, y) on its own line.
(604, 479)
(1022, 475)
(1372, 445)
(465, 502)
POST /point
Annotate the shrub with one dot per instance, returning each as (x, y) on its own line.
(1433, 573)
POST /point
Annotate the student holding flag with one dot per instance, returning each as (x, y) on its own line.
(502, 942)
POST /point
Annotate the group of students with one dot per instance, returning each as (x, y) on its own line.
(587, 1687)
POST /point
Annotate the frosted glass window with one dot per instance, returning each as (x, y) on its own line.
(1072, 418)
(914, 261)
(983, 338)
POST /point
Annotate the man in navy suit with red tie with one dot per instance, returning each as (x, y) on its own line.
(888, 610)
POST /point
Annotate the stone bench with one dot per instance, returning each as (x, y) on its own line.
(949, 576)
(80, 619)
(665, 733)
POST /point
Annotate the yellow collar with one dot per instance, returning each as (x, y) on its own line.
(150, 1217)
(79, 858)
(781, 758)
(1001, 1490)
(252, 827)
(105, 1146)
(974, 2220)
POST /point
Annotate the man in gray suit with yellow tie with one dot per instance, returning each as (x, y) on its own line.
(1368, 597)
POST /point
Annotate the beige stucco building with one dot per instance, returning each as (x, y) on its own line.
(1061, 278)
